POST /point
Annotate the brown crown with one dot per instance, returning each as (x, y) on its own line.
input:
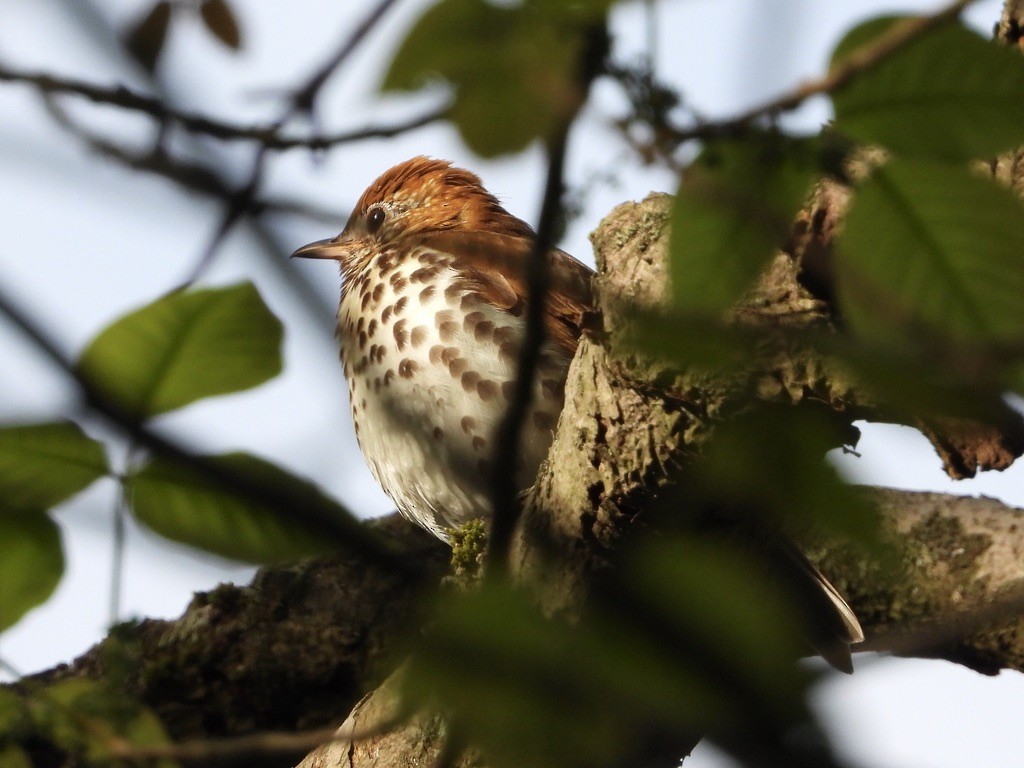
(437, 196)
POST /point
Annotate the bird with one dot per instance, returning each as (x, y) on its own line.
(431, 322)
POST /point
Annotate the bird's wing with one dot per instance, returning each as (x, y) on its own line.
(495, 266)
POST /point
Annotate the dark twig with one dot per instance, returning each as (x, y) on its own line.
(268, 135)
(860, 61)
(304, 98)
(325, 520)
(301, 102)
(505, 493)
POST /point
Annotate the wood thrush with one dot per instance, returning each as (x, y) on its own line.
(430, 323)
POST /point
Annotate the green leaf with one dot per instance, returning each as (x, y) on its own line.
(12, 756)
(515, 70)
(31, 565)
(82, 716)
(534, 691)
(220, 20)
(768, 467)
(14, 716)
(145, 40)
(928, 248)
(949, 94)
(728, 614)
(41, 465)
(184, 347)
(734, 207)
(195, 509)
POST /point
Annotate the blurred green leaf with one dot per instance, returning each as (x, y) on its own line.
(931, 249)
(82, 716)
(687, 638)
(14, 716)
(220, 20)
(720, 603)
(184, 347)
(145, 40)
(41, 465)
(13, 757)
(31, 564)
(767, 467)
(734, 208)
(535, 691)
(185, 506)
(949, 94)
(692, 340)
(515, 69)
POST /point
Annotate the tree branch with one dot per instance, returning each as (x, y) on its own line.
(268, 135)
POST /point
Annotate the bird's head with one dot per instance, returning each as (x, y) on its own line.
(415, 199)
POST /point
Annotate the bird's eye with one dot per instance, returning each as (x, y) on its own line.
(374, 219)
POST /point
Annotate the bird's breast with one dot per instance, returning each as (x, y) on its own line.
(431, 370)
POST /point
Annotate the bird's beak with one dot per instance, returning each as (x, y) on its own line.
(335, 248)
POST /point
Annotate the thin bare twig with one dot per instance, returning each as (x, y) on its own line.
(302, 101)
(504, 490)
(268, 135)
(858, 62)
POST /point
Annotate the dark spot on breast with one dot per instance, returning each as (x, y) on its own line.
(469, 380)
(389, 375)
(508, 389)
(451, 293)
(508, 352)
(483, 330)
(471, 320)
(427, 293)
(362, 339)
(361, 324)
(385, 314)
(449, 354)
(424, 274)
(478, 443)
(407, 368)
(378, 291)
(468, 424)
(457, 367)
(505, 334)
(543, 420)
(419, 335)
(400, 305)
(371, 328)
(438, 433)
(401, 335)
(552, 389)
(435, 353)
(487, 389)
